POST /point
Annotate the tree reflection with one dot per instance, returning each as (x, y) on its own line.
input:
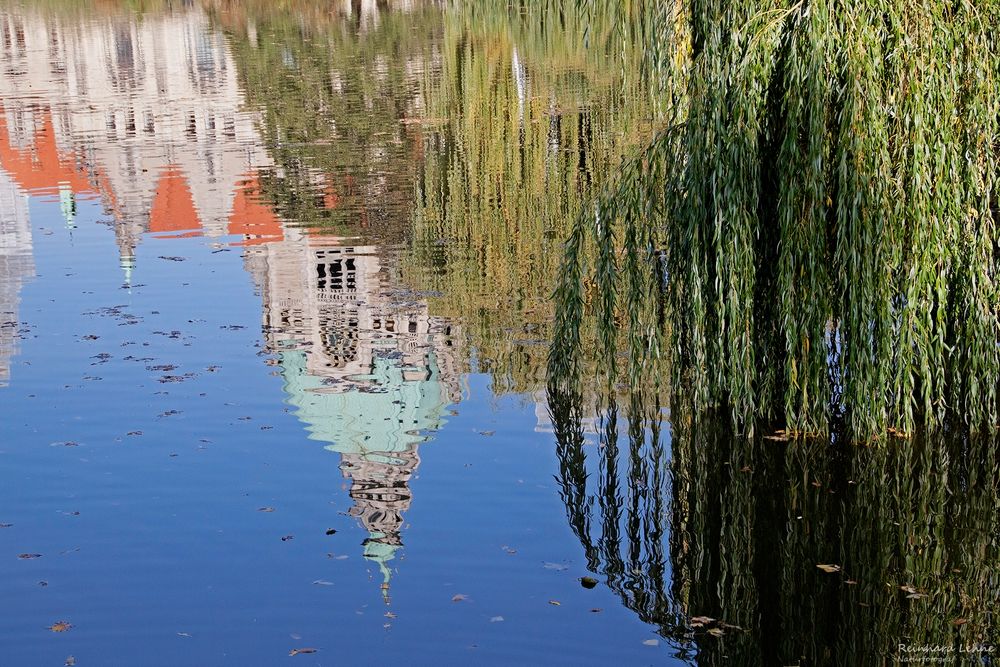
(716, 539)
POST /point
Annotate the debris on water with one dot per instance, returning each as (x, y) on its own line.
(172, 258)
(331, 531)
(60, 626)
(596, 610)
(556, 603)
(183, 634)
(487, 433)
(265, 509)
(496, 619)
(558, 567)
(301, 651)
(651, 642)
(28, 556)
(588, 582)
(509, 550)
(828, 568)
(70, 661)
(134, 433)
(322, 582)
(6, 525)
(285, 538)
(459, 598)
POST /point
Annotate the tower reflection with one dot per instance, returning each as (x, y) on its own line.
(145, 115)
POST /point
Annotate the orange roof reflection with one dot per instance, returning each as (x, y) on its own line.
(41, 168)
(251, 217)
(173, 206)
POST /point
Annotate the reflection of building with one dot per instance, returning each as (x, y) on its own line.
(368, 372)
(145, 113)
(16, 265)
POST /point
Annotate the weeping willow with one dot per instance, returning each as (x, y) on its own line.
(524, 123)
(812, 237)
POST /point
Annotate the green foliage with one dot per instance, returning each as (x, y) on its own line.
(822, 208)
(524, 125)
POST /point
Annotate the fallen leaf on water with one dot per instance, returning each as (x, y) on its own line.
(459, 598)
(183, 634)
(959, 621)
(323, 582)
(28, 556)
(596, 610)
(588, 582)
(43, 583)
(716, 632)
(851, 582)
(555, 602)
(60, 626)
(6, 525)
(652, 642)
(331, 531)
(559, 567)
(298, 651)
(496, 619)
(487, 433)
(265, 509)
(699, 621)
(287, 537)
(389, 614)
(70, 661)
(829, 569)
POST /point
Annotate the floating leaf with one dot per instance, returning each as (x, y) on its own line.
(651, 642)
(265, 509)
(301, 651)
(60, 626)
(28, 556)
(496, 619)
(459, 598)
(829, 569)
(555, 602)
(588, 582)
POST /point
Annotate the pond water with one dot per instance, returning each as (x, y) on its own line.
(274, 314)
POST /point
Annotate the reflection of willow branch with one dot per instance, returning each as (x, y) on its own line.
(566, 410)
(907, 535)
(628, 550)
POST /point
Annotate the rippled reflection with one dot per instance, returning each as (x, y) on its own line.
(765, 551)
(149, 116)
